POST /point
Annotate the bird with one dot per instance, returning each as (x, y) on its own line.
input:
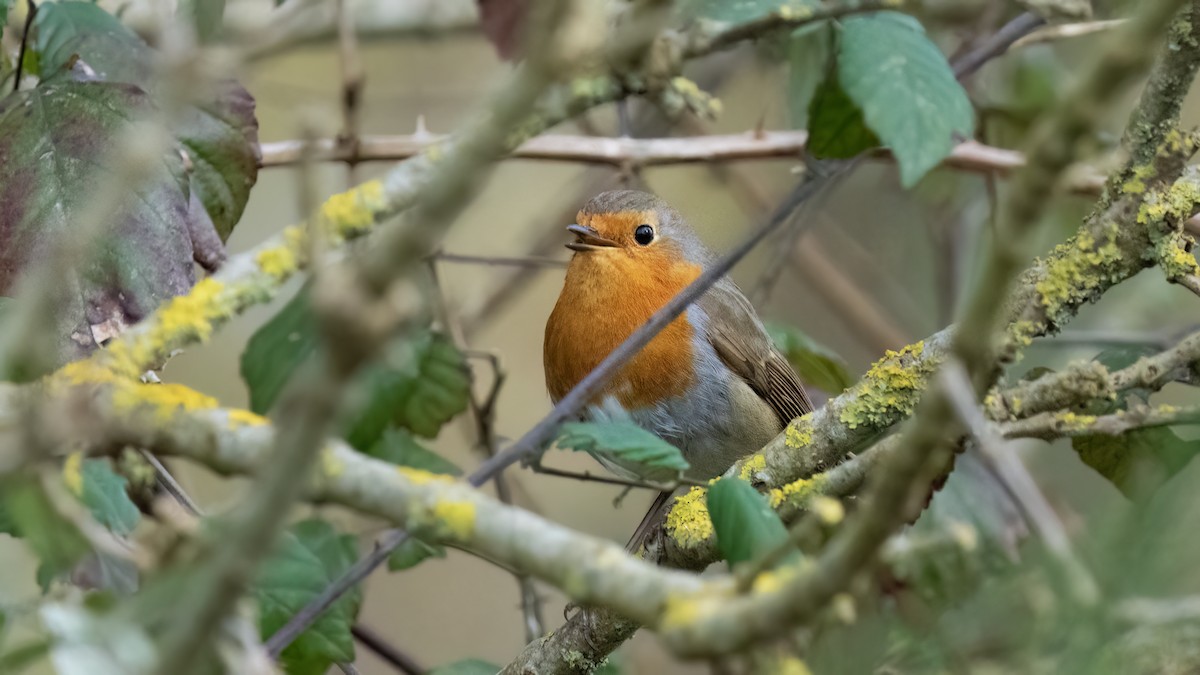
(711, 383)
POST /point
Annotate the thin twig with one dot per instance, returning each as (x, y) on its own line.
(588, 477)
(352, 87)
(645, 152)
(999, 42)
(31, 12)
(1066, 30)
(385, 650)
(506, 261)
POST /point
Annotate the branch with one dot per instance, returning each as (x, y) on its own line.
(1052, 425)
(1091, 381)
(645, 152)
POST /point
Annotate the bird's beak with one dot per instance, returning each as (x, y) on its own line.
(588, 239)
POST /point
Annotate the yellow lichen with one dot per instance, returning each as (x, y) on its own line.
(191, 315)
(279, 262)
(1070, 421)
(828, 509)
(352, 212)
(72, 473)
(239, 417)
(688, 522)
(799, 433)
(752, 465)
(767, 582)
(1174, 256)
(86, 371)
(1171, 206)
(164, 399)
(423, 477)
(798, 492)
(1136, 183)
(1076, 271)
(681, 610)
(456, 518)
(890, 389)
(331, 465)
(791, 665)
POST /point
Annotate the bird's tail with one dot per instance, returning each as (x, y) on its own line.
(650, 522)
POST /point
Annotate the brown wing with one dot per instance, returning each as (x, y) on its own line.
(742, 343)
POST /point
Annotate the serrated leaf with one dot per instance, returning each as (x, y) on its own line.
(740, 10)
(422, 383)
(412, 552)
(309, 557)
(467, 667)
(746, 527)
(103, 492)
(817, 365)
(1137, 462)
(397, 446)
(55, 541)
(627, 445)
(905, 88)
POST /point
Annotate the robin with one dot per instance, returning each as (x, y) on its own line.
(711, 383)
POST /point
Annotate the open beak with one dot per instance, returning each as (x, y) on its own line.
(588, 239)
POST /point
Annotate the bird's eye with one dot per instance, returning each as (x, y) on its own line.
(644, 234)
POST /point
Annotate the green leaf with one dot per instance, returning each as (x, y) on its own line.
(397, 446)
(4, 4)
(740, 10)
(55, 541)
(310, 556)
(808, 52)
(102, 491)
(412, 552)
(627, 445)
(1137, 462)
(905, 88)
(835, 124)
(83, 31)
(745, 525)
(422, 383)
(277, 349)
(817, 365)
(467, 667)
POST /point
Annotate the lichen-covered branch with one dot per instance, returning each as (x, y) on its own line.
(1052, 425)
(1091, 381)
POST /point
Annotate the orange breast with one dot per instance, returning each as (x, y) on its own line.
(606, 296)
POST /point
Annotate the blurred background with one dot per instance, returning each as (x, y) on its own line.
(876, 267)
